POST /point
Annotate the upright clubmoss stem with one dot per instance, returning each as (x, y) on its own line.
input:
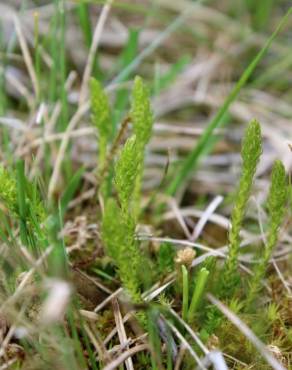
(250, 153)
(276, 202)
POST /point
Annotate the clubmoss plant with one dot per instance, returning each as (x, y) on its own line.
(277, 197)
(126, 171)
(118, 237)
(250, 153)
(142, 120)
(141, 113)
(276, 209)
(101, 118)
(120, 218)
(118, 225)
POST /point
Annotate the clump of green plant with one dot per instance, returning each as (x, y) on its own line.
(120, 215)
(250, 153)
(22, 200)
(277, 197)
(37, 228)
(8, 190)
(276, 208)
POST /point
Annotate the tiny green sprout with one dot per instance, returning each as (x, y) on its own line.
(250, 153)
(273, 312)
(276, 203)
(235, 305)
(126, 171)
(101, 117)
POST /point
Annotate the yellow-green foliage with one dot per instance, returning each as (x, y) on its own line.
(118, 226)
(250, 153)
(119, 220)
(101, 117)
(118, 237)
(141, 112)
(9, 196)
(127, 170)
(142, 119)
(276, 208)
(21, 198)
(8, 190)
(276, 202)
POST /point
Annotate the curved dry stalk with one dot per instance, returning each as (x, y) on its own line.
(92, 52)
(124, 356)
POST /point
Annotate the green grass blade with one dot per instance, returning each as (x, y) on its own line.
(185, 303)
(63, 66)
(178, 22)
(192, 160)
(70, 191)
(21, 197)
(198, 292)
(53, 40)
(163, 81)
(84, 20)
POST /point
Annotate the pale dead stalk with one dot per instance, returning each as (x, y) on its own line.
(92, 52)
